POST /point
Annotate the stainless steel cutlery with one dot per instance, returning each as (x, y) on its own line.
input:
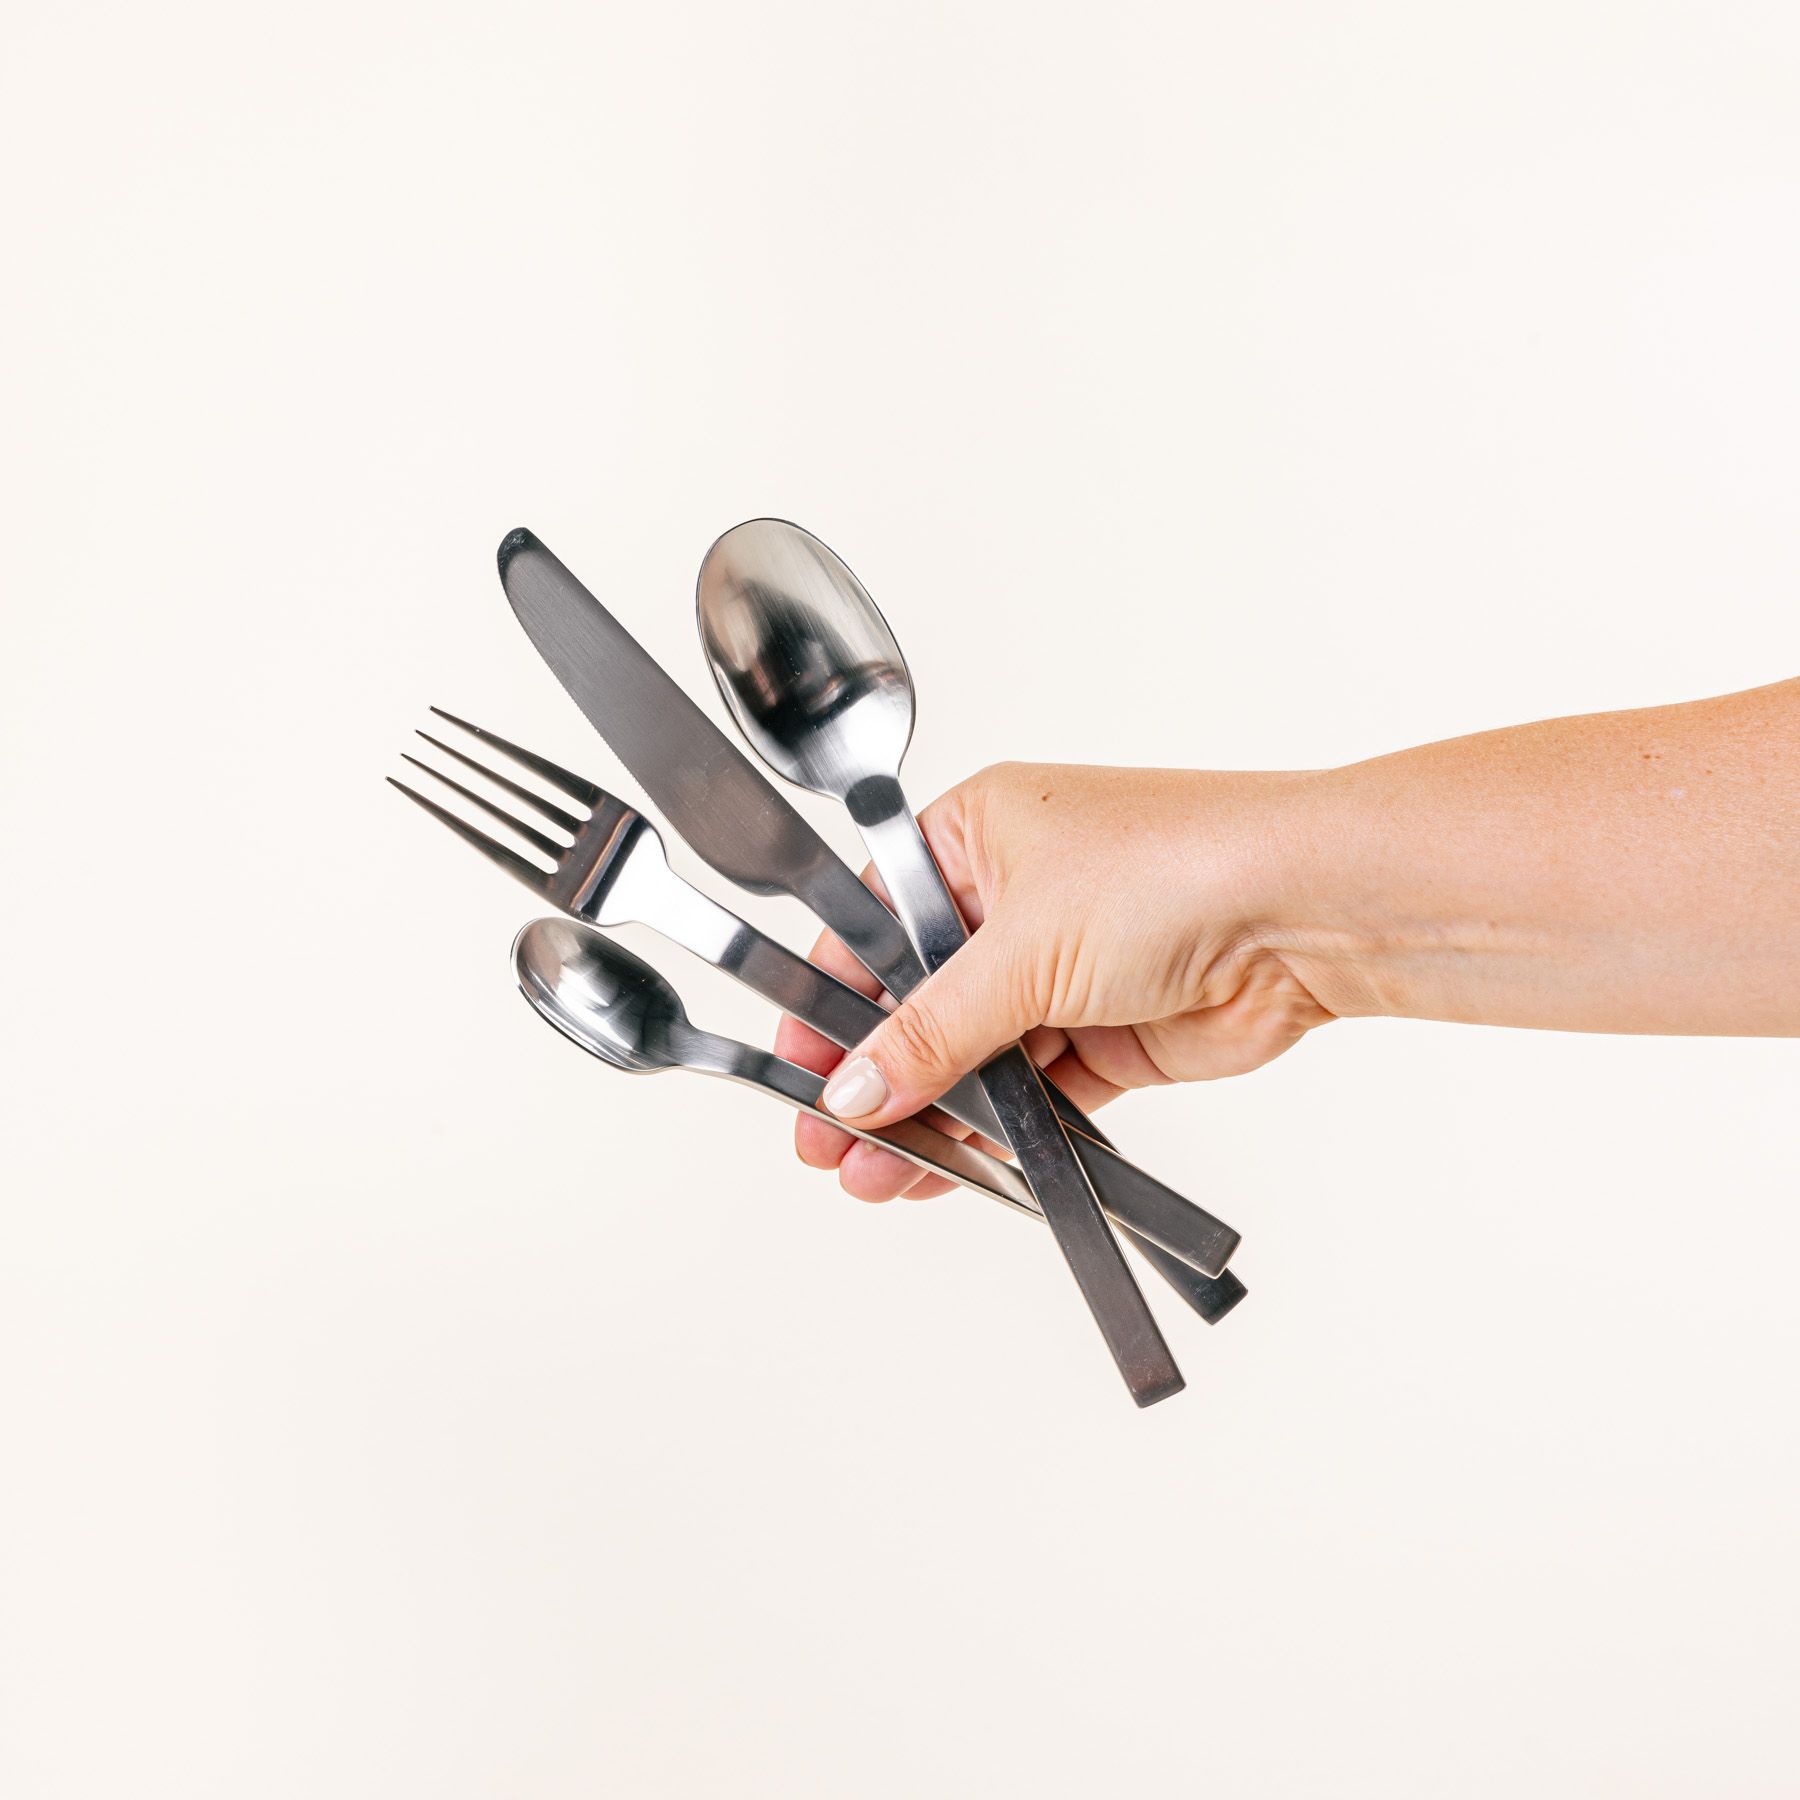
(703, 784)
(816, 682)
(613, 871)
(726, 812)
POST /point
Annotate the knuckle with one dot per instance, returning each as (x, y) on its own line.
(917, 1039)
(1070, 997)
(1001, 782)
(1001, 803)
(1020, 975)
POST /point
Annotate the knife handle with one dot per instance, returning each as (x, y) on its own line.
(1211, 1296)
(1071, 1210)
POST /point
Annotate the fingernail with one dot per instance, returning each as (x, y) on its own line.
(857, 1088)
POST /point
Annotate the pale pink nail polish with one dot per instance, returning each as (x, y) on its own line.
(857, 1088)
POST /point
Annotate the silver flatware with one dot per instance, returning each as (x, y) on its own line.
(718, 803)
(816, 681)
(600, 996)
(613, 870)
(705, 786)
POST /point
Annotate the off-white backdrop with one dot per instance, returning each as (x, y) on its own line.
(394, 1402)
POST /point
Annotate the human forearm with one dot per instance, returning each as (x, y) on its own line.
(1635, 871)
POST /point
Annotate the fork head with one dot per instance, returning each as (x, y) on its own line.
(603, 844)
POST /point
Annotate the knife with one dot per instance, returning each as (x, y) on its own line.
(731, 817)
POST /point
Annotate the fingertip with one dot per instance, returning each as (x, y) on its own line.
(1081, 1084)
(818, 1145)
(929, 1188)
(870, 877)
(858, 1090)
(829, 954)
(801, 1045)
(872, 1174)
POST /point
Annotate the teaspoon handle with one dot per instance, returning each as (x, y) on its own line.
(911, 1138)
(915, 883)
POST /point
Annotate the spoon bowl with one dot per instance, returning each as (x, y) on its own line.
(803, 658)
(600, 996)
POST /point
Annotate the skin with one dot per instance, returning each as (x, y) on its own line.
(1618, 872)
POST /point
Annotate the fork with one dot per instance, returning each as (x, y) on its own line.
(613, 870)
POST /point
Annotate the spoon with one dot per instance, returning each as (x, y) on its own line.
(820, 691)
(621, 1010)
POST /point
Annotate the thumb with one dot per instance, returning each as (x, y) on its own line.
(977, 1003)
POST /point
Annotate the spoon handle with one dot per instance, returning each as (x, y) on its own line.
(1022, 1105)
(918, 1142)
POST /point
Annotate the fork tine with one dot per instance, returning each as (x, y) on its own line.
(550, 847)
(554, 814)
(571, 784)
(514, 864)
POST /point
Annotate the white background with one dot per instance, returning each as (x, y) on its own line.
(394, 1402)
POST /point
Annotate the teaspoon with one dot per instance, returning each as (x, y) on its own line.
(621, 1010)
(615, 1007)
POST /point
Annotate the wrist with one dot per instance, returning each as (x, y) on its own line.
(1324, 907)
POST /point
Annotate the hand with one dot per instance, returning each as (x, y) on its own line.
(1115, 929)
(1634, 871)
